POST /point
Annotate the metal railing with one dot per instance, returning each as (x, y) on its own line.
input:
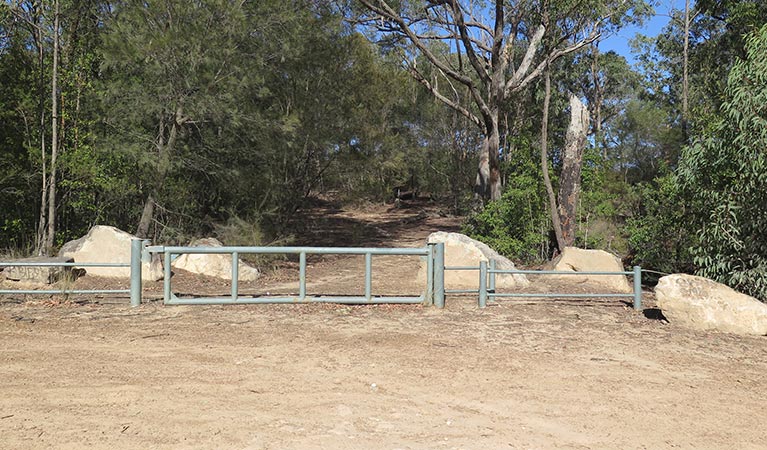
(429, 296)
(491, 283)
(487, 289)
(135, 276)
(434, 291)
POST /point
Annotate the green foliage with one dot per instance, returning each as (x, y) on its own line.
(725, 176)
(605, 201)
(17, 134)
(646, 144)
(660, 232)
(517, 225)
(241, 232)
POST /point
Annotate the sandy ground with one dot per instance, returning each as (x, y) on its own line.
(518, 374)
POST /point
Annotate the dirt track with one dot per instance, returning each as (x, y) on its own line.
(553, 374)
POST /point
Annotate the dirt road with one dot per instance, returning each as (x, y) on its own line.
(549, 374)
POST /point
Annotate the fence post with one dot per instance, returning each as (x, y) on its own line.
(439, 275)
(166, 289)
(235, 275)
(491, 283)
(429, 295)
(368, 276)
(482, 284)
(302, 276)
(135, 272)
(637, 288)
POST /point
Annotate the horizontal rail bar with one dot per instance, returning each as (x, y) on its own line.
(461, 291)
(461, 268)
(557, 272)
(61, 264)
(266, 300)
(291, 250)
(492, 294)
(62, 291)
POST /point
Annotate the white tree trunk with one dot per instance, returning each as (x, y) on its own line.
(572, 161)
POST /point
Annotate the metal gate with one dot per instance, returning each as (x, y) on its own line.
(433, 291)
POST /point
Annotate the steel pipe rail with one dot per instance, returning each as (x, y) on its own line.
(135, 276)
(557, 272)
(429, 294)
(291, 250)
(61, 264)
(63, 291)
(487, 290)
(356, 300)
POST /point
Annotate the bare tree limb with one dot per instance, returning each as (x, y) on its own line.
(386, 11)
(527, 60)
(479, 67)
(442, 98)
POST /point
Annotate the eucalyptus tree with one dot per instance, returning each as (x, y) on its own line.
(496, 51)
(724, 174)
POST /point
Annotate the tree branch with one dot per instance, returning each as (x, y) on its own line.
(479, 67)
(439, 96)
(527, 60)
(387, 12)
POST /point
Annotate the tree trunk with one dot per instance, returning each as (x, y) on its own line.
(50, 238)
(598, 94)
(40, 239)
(545, 163)
(147, 215)
(685, 81)
(165, 145)
(572, 160)
(488, 184)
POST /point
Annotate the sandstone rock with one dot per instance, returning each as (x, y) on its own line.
(38, 274)
(213, 265)
(105, 244)
(580, 260)
(704, 304)
(461, 250)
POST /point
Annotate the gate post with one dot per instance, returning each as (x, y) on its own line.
(491, 282)
(368, 276)
(439, 275)
(135, 272)
(637, 288)
(482, 284)
(302, 276)
(429, 295)
(235, 275)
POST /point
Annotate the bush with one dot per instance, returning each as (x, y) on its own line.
(249, 233)
(517, 225)
(725, 178)
(661, 233)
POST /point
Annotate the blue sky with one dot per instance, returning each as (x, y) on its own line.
(620, 42)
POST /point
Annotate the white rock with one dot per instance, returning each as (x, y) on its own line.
(105, 244)
(461, 250)
(580, 260)
(214, 265)
(704, 304)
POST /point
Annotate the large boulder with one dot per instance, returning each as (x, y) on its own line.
(214, 265)
(38, 274)
(105, 244)
(574, 259)
(703, 304)
(461, 250)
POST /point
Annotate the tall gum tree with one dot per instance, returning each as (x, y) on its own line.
(496, 50)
